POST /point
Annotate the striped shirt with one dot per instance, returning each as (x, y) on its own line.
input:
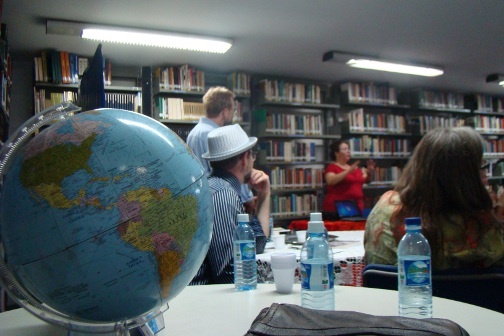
(217, 268)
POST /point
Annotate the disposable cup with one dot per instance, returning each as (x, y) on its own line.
(301, 236)
(279, 242)
(284, 266)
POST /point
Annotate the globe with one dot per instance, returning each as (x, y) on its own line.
(105, 216)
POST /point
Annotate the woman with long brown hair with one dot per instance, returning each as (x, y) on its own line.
(441, 184)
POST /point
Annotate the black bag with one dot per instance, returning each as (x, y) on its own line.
(291, 320)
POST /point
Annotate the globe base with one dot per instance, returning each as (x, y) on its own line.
(150, 328)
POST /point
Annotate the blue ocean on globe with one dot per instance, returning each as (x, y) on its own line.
(105, 215)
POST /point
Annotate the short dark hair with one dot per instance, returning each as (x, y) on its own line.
(228, 163)
(335, 148)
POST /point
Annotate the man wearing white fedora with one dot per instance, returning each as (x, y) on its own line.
(232, 159)
(219, 106)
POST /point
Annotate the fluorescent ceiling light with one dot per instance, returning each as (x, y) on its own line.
(371, 63)
(140, 37)
(394, 67)
(496, 78)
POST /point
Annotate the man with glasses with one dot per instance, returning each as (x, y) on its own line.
(232, 160)
(219, 107)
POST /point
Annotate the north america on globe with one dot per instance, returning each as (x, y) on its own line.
(112, 215)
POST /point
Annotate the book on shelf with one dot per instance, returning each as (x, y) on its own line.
(369, 92)
(296, 178)
(289, 151)
(360, 121)
(379, 147)
(179, 78)
(430, 99)
(429, 122)
(168, 108)
(282, 91)
(44, 99)
(58, 67)
(239, 83)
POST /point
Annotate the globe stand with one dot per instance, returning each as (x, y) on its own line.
(150, 328)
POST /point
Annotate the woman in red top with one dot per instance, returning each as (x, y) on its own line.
(343, 181)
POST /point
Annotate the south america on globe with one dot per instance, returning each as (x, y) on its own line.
(104, 216)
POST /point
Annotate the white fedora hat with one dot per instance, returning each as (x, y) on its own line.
(227, 141)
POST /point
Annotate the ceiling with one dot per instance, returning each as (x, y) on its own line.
(289, 37)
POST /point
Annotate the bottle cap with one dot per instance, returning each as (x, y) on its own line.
(413, 223)
(316, 216)
(316, 227)
(243, 218)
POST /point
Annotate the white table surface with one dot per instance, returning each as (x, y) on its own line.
(220, 310)
(348, 244)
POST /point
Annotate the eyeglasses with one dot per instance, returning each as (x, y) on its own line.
(253, 154)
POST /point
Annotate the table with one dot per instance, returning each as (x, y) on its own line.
(220, 310)
(348, 250)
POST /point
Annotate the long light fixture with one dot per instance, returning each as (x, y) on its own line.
(496, 78)
(139, 36)
(364, 62)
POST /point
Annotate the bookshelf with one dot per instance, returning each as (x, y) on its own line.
(289, 120)
(178, 96)
(56, 79)
(488, 120)
(376, 127)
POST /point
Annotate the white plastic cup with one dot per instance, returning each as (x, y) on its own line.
(279, 242)
(284, 266)
(301, 236)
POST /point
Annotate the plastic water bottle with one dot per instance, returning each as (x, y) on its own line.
(244, 253)
(414, 272)
(317, 217)
(317, 270)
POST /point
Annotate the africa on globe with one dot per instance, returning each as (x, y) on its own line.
(105, 215)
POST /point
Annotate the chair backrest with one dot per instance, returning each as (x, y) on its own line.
(480, 287)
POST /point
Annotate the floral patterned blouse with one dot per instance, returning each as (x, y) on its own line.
(462, 246)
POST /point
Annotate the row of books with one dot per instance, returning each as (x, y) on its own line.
(369, 92)
(239, 111)
(177, 109)
(494, 147)
(428, 122)
(59, 67)
(288, 151)
(487, 124)
(359, 121)
(366, 146)
(179, 78)
(44, 99)
(293, 205)
(486, 103)
(239, 83)
(181, 130)
(125, 101)
(386, 175)
(301, 177)
(281, 91)
(289, 124)
(440, 100)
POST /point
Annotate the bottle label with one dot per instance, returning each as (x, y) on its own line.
(317, 276)
(244, 251)
(416, 272)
